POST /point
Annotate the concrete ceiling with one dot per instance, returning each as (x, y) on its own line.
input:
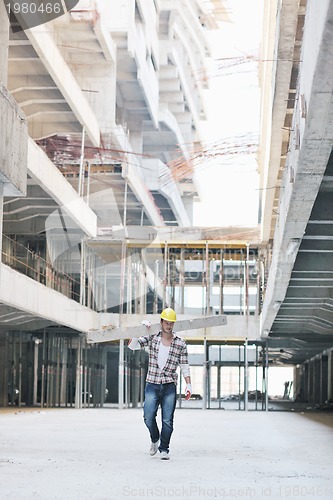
(297, 316)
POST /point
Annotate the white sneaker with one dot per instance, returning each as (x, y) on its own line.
(153, 448)
(164, 455)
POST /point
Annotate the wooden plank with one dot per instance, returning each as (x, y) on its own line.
(112, 332)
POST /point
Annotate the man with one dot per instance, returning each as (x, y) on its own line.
(166, 352)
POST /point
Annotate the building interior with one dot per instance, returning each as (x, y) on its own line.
(101, 112)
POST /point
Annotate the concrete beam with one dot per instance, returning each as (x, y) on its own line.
(142, 193)
(218, 327)
(13, 146)
(48, 52)
(35, 299)
(308, 163)
(158, 177)
(46, 174)
(275, 97)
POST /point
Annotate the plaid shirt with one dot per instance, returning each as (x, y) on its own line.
(177, 355)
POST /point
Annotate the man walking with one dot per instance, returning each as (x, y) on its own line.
(166, 352)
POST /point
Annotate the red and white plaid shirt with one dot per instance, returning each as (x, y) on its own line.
(177, 356)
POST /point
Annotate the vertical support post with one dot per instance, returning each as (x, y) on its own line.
(78, 384)
(246, 283)
(208, 379)
(20, 371)
(207, 280)
(125, 203)
(88, 183)
(35, 373)
(81, 171)
(182, 281)
(172, 278)
(221, 305)
(256, 377)
(156, 273)
(105, 290)
(246, 366)
(219, 377)
(143, 282)
(85, 392)
(329, 376)
(126, 379)
(3, 367)
(241, 284)
(63, 367)
(135, 272)
(247, 312)
(203, 285)
(121, 375)
(239, 377)
(129, 283)
(165, 277)
(266, 363)
(205, 373)
(121, 371)
(122, 278)
(42, 392)
(258, 301)
(4, 44)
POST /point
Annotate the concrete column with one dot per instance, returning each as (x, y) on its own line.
(4, 43)
(317, 380)
(297, 380)
(323, 378)
(3, 370)
(136, 379)
(310, 381)
(182, 281)
(121, 375)
(330, 375)
(136, 138)
(306, 384)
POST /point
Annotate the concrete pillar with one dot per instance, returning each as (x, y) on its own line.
(310, 381)
(136, 137)
(188, 204)
(136, 379)
(306, 383)
(121, 375)
(297, 381)
(323, 378)
(330, 375)
(3, 370)
(317, 379)
(4, 43)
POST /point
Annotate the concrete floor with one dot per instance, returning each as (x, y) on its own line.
(102, 454)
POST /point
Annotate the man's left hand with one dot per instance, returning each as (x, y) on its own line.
(188, 391)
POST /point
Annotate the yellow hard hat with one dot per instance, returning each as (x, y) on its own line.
(168, 314)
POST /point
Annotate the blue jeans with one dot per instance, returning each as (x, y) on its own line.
(164, 395)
